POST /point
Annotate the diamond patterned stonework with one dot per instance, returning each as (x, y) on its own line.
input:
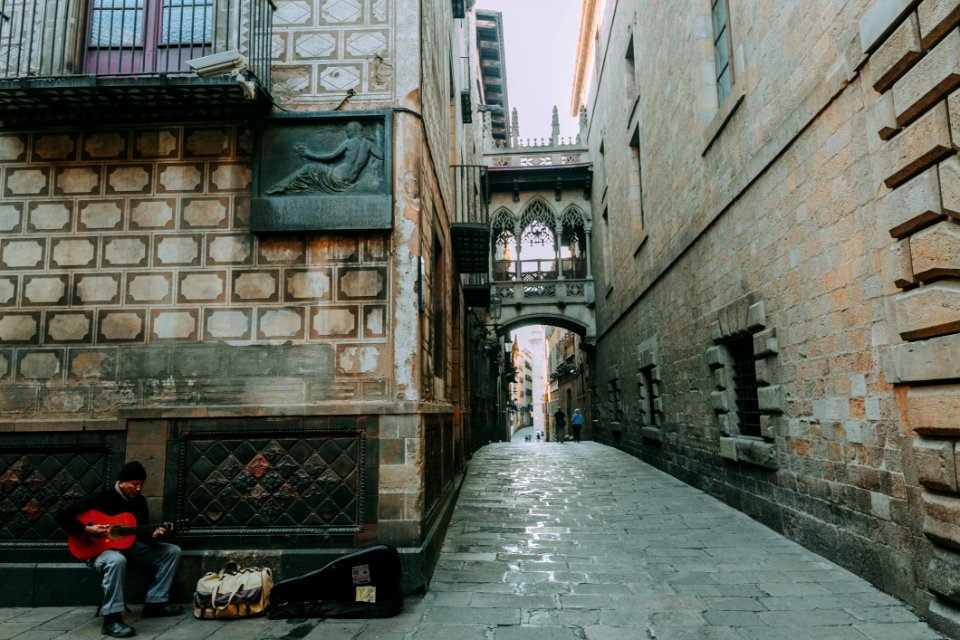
(51, 216)
(365, 44)
(315, 45)
(91, 289)
(309, 480)
(339, 78)
(101, 215)
(292, 13)
(339, 11)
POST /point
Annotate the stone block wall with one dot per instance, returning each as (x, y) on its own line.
(914, 71)
(129, 279)
(820, 190)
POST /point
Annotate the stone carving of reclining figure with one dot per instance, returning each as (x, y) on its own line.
(321, 174)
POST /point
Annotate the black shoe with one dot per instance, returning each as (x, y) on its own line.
(160, 610)
(114, 626)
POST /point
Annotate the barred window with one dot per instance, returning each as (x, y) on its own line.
(722, 47)
(745, 386)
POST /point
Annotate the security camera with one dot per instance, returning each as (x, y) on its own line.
(218, 63)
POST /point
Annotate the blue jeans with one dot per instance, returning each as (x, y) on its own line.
(112, 567)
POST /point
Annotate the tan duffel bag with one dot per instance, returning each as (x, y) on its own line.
(232, 592)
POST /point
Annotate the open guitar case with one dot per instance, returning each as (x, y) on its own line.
(364, 584)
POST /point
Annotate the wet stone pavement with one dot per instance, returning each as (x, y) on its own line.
(580, 541)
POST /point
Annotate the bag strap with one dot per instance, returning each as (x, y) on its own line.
(213, 597)
(231, 566)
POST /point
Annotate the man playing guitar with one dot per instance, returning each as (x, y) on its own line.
(89, 523)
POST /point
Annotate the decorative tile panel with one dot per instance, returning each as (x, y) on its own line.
(92, 364)
(311, 46)
(149, 288)
(362, 283)
(256, 286)
(108, 145)
(180, 178)
(70, 253)
(40, 365)
(203, 286)
(282, 250)
(20, 327)
(363, 44)
(374, 321)
(235, 249)
(50, 216)
(292, 13)
(205, 212)
(311, 285)
(70, 326)
(96, 215)
(34, 181)
(126, 251)
(121, 326)
(174, 325)
(338, 78)
(129, 179)
(13, 148)
(8, 291)
(177, 250)
(101, 288)
(289, 479)
(40, 474)
(230, 177)
(77, 181)
(22, 254)
(45, 290)
(10, 216)
(340, 11)
(285, 323)
(152, 214)
(334, 322)
(59, 146)
(227, 324)
(162, 143)
(206, 142)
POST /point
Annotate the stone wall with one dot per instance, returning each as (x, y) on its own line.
(807, 216)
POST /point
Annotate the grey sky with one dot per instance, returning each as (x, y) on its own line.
(541, 41)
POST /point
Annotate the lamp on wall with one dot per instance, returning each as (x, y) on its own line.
(496, 310)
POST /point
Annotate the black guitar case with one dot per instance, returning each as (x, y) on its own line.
(364, 584)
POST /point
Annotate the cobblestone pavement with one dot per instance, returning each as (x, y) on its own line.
(580, 541)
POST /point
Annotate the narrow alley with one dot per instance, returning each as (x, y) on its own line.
(580, 541)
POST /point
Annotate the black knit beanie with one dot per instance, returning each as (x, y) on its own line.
(133, 470)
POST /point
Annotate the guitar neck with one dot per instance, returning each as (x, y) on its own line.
(137, 529)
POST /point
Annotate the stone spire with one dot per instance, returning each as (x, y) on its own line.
(582, 134)
(514, 129)
(555, 128)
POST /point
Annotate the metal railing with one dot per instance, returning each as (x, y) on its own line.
(64, 38)
(573, 268)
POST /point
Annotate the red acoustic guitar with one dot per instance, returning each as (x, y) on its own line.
(123, 530)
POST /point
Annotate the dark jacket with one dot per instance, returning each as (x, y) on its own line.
(110, 502)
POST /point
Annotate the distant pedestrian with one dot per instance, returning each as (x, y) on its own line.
(577, 423)
(560, 422)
